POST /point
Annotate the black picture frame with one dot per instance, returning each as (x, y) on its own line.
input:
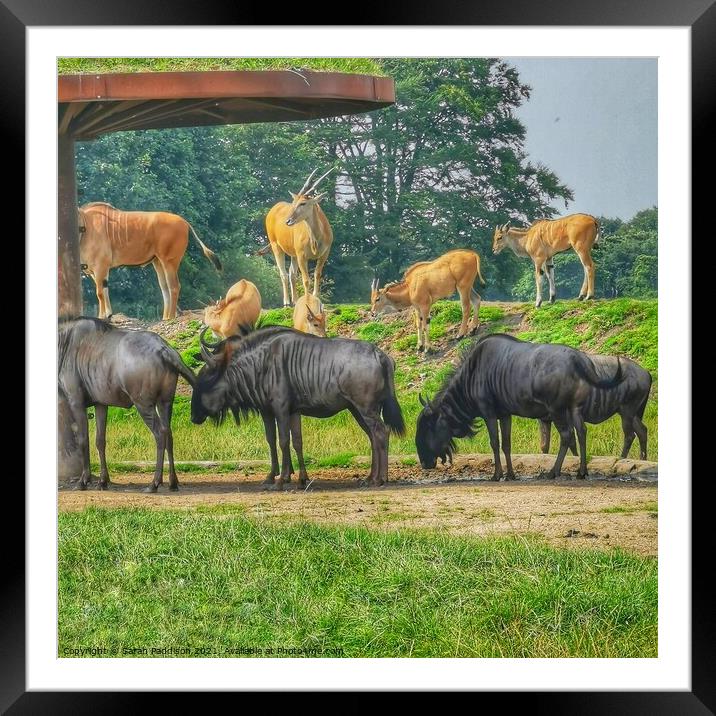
(699, 15)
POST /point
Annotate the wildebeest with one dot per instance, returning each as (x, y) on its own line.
(300, 230)
(628, 399)
(427, 281)
(110, 237)
(502, 376)
(309, 315)
(282, 374)
(241, 307)
(544, 239)
(102, 365)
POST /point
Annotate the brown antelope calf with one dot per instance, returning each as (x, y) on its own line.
(309, 315)
(300, 230)
(240, 308)
(427, 281)
(544, 239)
(110, 237)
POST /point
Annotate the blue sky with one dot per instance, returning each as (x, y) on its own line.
(594, 123)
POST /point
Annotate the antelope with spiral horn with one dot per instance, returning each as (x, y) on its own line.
(300, 230)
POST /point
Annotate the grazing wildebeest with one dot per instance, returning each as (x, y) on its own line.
(101, 365)
(500, 377)
(283, 374)
(241, 307)
(628, 399)
(300, 230)
(548, 237)
(111, 237)
(309, 315)
(427, 281)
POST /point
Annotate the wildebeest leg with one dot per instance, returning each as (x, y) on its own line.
(581, 430)
(538, 281)
(152, 421)
(545, 434)
(280, 257)
(506, 432)
(100, 413)
(284, 441)
(495, 445)
(475, 301)
(629, 433)
(379, 445)
(550, 278)
(318, 273)
(79, 414)
(162, 279)
(165, 411)
(374, 457)
(566, 435)
(641, 434)
(270, 431)
(297, 440)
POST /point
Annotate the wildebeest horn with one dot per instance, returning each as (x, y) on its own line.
(422, 400)
(205, 347)
(317, 182)
(307, 181)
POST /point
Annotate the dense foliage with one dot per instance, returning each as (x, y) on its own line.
(435, 171)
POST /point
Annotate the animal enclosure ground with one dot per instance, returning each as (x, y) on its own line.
(594, 513)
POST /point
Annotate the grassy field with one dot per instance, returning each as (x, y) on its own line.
(621, 326)
(212, 581)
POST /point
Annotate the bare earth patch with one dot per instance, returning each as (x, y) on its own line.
(600, 512)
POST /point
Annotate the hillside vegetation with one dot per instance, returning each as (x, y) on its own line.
(620, 327)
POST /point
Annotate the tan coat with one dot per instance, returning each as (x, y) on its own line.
(309, 315)
(240, 308)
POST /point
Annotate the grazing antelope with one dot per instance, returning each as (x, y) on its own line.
(309, 315)
(544, 239)
(300, 230)
(110, 237)
(427, 281)
(240, 309)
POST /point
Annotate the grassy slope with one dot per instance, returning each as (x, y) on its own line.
(621, 326)
(213, 579)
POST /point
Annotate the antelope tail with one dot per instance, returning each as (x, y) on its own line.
(599, 232)
(207, 251)
(263, 250)
(479, 275)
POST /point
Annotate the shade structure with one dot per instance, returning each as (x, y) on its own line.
(92, 105)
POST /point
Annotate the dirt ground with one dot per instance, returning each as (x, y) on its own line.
(603, 511)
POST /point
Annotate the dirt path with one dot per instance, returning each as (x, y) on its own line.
(595, 513)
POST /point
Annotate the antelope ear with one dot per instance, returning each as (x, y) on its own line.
(315, 199)
(506, 226)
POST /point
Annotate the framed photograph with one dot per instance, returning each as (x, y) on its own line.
(399, 553)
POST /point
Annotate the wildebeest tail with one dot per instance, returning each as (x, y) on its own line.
(586, 369)
(392, 414)
(207, 251)
(173, 360)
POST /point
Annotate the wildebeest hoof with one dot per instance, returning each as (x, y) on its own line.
(174, 487)
(151, 488)
(510, 476)
(550, 475)
(496, 477)
(582, 475)
(81, 486)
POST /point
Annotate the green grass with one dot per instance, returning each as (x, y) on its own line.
(77, 65)
(622, 326)
(212, 578)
